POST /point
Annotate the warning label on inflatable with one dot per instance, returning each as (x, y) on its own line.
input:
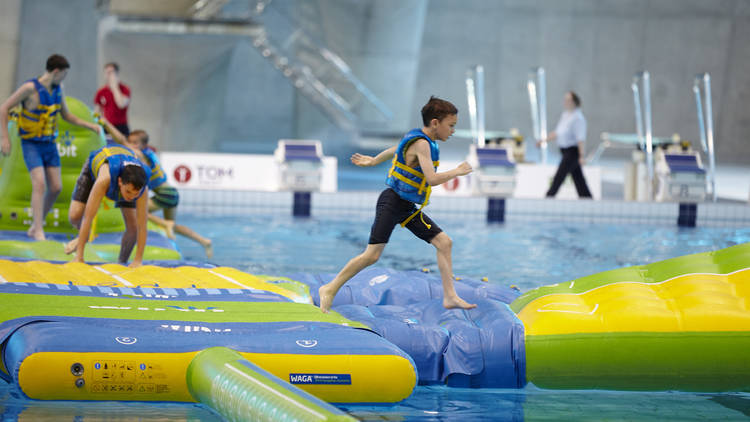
(343, 379)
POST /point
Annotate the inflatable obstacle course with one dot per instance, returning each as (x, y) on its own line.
(679, 324)
(74, 145)
(150, 332)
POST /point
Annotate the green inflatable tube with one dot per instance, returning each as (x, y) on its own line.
(238, 390)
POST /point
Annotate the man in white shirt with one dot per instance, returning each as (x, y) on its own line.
(570, 134)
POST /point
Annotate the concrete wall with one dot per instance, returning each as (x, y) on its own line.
(594, 47)
(10, 19)
(218, 93)
(68, 28)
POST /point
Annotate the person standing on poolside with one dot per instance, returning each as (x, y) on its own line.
(42, 100)
(112, 100)
(571, 138)
(414, 171)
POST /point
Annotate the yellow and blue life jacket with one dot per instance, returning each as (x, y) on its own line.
(117, 157)
(157, 172)
(40, 124)
(409, 183)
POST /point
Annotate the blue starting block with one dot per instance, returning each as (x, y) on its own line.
(680, 176)
(300, 165)
(494, 170)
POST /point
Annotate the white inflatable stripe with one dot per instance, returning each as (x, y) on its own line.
(636, 282)
(596, 306)
(116, 277)
(231, 280)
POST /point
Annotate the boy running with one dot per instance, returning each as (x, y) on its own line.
(414, 171)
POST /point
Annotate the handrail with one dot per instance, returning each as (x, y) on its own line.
(536, 86)
(706, 125)
(642, 94)
(475, 94)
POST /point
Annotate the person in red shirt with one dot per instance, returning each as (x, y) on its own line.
(112, 99)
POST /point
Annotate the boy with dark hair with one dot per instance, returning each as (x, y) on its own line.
(165, 196)
(114, 172)
(112, 99)
(42, 100)
(414, 171)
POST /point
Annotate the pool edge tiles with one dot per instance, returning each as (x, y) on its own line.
(362, 203)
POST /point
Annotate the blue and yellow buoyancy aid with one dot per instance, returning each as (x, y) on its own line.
(40, 124)
(409, 183)
(157, 172)
(116, 157)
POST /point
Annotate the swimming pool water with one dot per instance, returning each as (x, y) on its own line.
(527, 254)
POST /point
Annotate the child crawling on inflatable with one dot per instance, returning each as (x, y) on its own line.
(165, 196)
(114, 172)
(414, 171)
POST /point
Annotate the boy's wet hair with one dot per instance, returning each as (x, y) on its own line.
(114, 66)
(437, 109)
(133, 174)
(141, 134)
(57, 61)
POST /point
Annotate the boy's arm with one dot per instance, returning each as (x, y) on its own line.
(422, 148)
(368, 161)
(21, 94)
(141, 215)
(117, 136)
(92, 207)
(72, 118)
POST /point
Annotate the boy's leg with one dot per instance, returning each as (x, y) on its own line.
(130, 235)
(389, 211)
(54, 187)
(84, 183)
(328, 291)
(75, 215)
(37, 203)
(168, 225)
(443, 243)
(170, 214)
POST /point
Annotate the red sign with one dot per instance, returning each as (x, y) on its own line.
(182, 174)
(451, 185)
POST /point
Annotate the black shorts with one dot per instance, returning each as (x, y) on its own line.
(84, 184)
(392, 210)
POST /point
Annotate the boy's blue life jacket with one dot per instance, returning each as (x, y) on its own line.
(40, 124)
(409, 183)
(158, 177)
(117, 157)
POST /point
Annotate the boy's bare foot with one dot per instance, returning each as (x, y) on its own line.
(209, 247)
(457, 302)
(71, 246)
(35, 234)
(169, 228)
(326, 298)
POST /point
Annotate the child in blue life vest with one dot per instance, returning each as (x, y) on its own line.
(114, 172)
(42, 100)
(413, 172)
(164, 197)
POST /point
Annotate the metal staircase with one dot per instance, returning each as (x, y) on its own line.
(317, 72)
